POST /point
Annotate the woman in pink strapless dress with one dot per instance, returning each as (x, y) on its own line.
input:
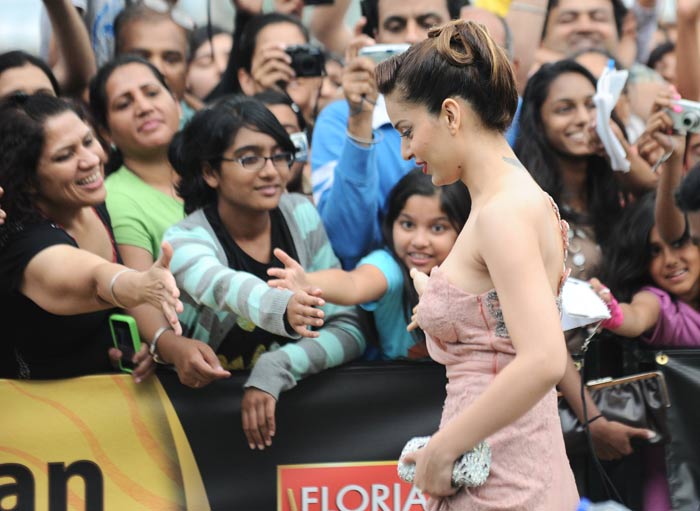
(490, 310)
(529, 467)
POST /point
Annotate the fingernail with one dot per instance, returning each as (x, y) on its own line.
(137, 380)
(252, 446)
(676, 96)
(268, 443)
(677, 108)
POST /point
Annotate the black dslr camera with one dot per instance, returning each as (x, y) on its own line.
(307, 60)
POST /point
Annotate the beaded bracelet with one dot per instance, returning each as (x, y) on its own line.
(115, 301)
(616, 318)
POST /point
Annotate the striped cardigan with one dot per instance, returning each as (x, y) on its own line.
(215, 296)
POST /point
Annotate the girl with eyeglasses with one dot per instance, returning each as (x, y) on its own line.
(234, 161)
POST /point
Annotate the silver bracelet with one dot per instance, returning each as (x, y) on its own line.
(376, 138)
(153, 348)
(114, 281)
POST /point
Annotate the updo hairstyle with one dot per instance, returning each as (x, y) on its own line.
(459, 59)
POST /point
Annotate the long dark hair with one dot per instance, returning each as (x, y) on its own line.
(18, 58)
(455, 202)
(206, 137)
(99, 102)
(626, 261)
(245, 39)
(22, 137)
(540, 158)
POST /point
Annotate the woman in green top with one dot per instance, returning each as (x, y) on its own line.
(136, 111)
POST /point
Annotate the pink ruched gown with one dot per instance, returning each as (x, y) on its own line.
(529, 467)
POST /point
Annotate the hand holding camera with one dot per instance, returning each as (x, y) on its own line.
(661, 139)
(358, 81)
(272, 66)
(277, 63)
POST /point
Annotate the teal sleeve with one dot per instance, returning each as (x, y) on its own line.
(200, 273)
(384, 262)
(341, 338)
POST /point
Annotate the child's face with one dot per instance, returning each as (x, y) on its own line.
(675, 268)
(423, 235)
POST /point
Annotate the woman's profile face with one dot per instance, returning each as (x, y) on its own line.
(568, 114)
(248, 183)
(70, 168)
(27, 79)
(425, 138)
(142, 115)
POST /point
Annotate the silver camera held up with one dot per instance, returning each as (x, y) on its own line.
(688, 119)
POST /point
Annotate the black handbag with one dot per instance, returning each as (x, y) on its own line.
(638, 400)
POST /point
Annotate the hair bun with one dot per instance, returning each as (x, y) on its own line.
(451, 42)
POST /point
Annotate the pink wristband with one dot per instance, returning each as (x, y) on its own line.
(616, 316)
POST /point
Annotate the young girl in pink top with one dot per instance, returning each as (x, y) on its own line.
(655, 296)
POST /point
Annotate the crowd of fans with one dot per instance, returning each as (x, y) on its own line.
(244, 196)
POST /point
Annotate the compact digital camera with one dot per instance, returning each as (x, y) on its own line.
(688, 119)
(380, 52)
(301, 144)
(307, 60)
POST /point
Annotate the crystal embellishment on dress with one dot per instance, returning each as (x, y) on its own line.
(471, 469)
(494, 306)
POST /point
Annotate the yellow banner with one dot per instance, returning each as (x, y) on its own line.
(96, 443)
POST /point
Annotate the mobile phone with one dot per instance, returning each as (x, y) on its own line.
(307, 59)
(318, 2)
(125, 336)
(380, 52)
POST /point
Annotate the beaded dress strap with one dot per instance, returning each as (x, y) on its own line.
(564, 226)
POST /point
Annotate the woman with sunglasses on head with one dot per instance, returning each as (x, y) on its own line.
(234, 160)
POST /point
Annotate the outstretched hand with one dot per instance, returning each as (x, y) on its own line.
(303, 311)
(292, 276)
(420, 280)
(196, 363)
(161, 290)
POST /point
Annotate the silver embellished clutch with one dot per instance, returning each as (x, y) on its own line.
(471, 469)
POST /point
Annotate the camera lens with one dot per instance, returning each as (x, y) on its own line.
(691, 121)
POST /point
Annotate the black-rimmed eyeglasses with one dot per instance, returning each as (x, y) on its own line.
(280, 161)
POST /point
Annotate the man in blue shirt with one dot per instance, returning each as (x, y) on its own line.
(356, 153)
